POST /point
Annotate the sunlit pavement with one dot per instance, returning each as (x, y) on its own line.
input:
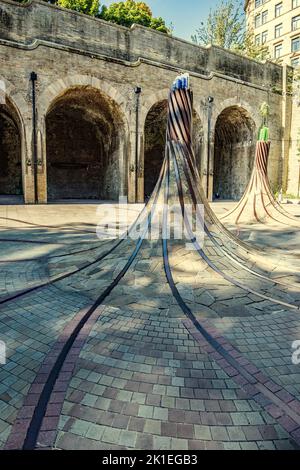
(138, 376)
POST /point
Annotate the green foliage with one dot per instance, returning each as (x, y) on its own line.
(264, 111)
(226, 27)
(223, 27)
(89, 7)
(129, 12)
(250, 49)
(125, 13)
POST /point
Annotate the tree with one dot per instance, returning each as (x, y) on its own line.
(129, 12)
(249, 48)
(226, 27)
(89, 7)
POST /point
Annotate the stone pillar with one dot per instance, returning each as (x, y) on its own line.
(41, 162)
(27, 161)
(140, 168)
(207, 163)
(286, 122)
(131, 195)
(293, 184)
(211, 168)
(136, 154)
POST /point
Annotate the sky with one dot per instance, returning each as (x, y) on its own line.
(186, 15)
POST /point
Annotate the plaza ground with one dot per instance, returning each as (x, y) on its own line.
(138, 376)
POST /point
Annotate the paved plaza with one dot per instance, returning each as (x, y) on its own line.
(139, 375)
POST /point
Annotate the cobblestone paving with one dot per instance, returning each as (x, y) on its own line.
(141, 379)
(143, 382)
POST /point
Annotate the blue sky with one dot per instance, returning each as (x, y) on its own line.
(186, 15)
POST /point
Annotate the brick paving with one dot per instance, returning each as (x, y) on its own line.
(139, 376)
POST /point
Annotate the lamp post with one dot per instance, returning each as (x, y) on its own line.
(33, 79)
(137, 91)
(210, 101)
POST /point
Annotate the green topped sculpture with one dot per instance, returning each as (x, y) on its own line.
(258, 203)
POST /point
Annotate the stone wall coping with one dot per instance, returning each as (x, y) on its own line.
(124, 29)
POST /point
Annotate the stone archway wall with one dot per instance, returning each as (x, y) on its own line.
(155, 140)
(234, 148)
(16, 109)
(84, 134)
(198, 137)
(10, 151)
(118, 185)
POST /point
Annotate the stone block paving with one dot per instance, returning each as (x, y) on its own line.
(29, 326)
(139, 378)
(267, 341)
(142, 382)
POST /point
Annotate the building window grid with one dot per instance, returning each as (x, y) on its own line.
(296, 44)
(278, 9)
(257, 21)
(278, 51)
(264, 37)
(278, 30)
(264, 17)
(296, 23)
(295, 4)
(258, 3)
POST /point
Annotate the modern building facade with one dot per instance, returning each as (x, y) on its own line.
(276, 24)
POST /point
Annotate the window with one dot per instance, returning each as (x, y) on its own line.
(278, 51)
(259, 2)
(296, 44)
(264, 37)
(295, 3)
(296, 23)
(295, 62)
(264, 16)
(278, 9)
(257, 21)
(278, 30)
(257, 40)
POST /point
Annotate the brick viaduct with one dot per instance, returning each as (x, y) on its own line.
(93, 136)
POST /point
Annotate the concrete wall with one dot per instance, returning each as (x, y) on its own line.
(69, 50)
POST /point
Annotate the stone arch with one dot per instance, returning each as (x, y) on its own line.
(16, 98)
(231, 102)
(149, 102)
(12, 141)
(155, 125)
(53, 91)
(234, 149)
(85, 142)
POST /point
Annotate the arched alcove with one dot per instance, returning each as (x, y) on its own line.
(235, 137)
(84, 135)
(155, 140)
(10, 151)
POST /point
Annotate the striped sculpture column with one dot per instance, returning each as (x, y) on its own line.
(258, 203)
